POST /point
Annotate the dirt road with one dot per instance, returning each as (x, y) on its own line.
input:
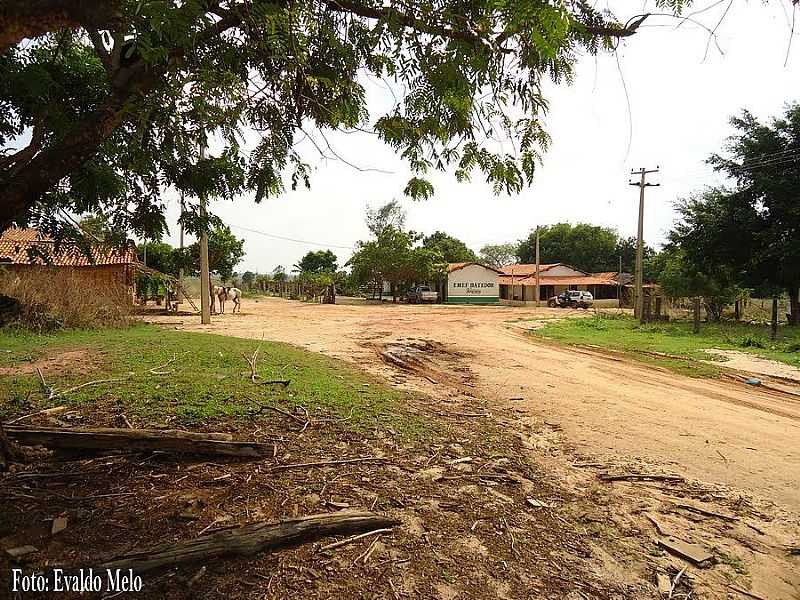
(609, 408)
(582, 411)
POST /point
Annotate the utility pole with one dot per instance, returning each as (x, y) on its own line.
(205, 279)
(619, 283)
(641, 184)
(537, 267)
(180, 271)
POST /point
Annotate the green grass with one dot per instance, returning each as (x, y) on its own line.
(210, 383)
(625, 334)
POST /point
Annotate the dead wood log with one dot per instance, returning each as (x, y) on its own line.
(185, 442)
(11, 452)
(251, 539)
(640, 477)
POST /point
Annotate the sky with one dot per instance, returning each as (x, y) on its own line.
(661, 101)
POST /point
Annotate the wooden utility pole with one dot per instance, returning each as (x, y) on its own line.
(537, 267)
(180, 271)
(619, 283)
(205, 278)
(641, 184)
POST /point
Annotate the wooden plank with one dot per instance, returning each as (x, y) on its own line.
(185, 442)
(251, 539)
(694, 553)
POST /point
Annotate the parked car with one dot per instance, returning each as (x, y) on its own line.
(420, 294)
(572, 299)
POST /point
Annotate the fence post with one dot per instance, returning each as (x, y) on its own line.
(774, 333)
(647, 308)
(697, 315)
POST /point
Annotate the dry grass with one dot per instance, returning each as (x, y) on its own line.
(49, 299)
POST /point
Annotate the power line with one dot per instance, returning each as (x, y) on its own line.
(288, 239)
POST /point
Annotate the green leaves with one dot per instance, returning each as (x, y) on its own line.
(466, 75)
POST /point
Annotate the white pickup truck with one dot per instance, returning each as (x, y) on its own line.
(421, 294)
(572, 299)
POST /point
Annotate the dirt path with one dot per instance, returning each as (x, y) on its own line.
(581, 408)
(608, 407)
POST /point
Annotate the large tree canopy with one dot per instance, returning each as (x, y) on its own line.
(452, 250)
(110, 102)
(318, 261)
(586, 247)
(748, 234)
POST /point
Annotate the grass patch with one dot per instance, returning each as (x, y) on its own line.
(210, 383)
(676, 338)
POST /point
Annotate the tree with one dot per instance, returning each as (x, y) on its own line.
(279, 274)
(452, 250)
(319, 261)
(248, 279)
(225, 251)
(586, 247)
(756, 224)
(391, 214)
(683, 277)
(498, 255)
(160, 256)
(395, 257)
(112, 101)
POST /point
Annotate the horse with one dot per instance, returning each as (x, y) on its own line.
(230, 293)
(218, 292)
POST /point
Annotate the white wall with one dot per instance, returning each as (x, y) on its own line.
(473, 283)
(561, 271)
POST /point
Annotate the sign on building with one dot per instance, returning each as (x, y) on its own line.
(472, 283)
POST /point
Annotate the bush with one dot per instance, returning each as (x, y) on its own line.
(749, 340)
(48, 299)
(596, 322)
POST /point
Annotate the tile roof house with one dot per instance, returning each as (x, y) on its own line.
(518, 282)
(107, 268)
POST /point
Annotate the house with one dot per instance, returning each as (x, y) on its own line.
(518, 282)
(472, 283)
(108, 270)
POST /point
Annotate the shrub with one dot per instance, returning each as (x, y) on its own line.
(47, 299)
(748, 340)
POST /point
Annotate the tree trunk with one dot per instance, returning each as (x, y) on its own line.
(20, 19)
(794, 305)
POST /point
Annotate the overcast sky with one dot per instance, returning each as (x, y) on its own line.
(679, 110)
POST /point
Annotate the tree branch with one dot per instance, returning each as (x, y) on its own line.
(100, 48)
(20, 19)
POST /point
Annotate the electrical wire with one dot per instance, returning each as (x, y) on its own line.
(288, 239)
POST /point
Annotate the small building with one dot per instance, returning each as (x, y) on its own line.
(472, 283)
(107, 269)
(518, 283)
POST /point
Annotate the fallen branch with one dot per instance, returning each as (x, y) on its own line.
(283, 382)
(137, 439)
(355, 538)
(703, 511)
(250, 539)
(45, 411)
(640, 477)
(745, 592)
(326, 463)
(54, 394)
